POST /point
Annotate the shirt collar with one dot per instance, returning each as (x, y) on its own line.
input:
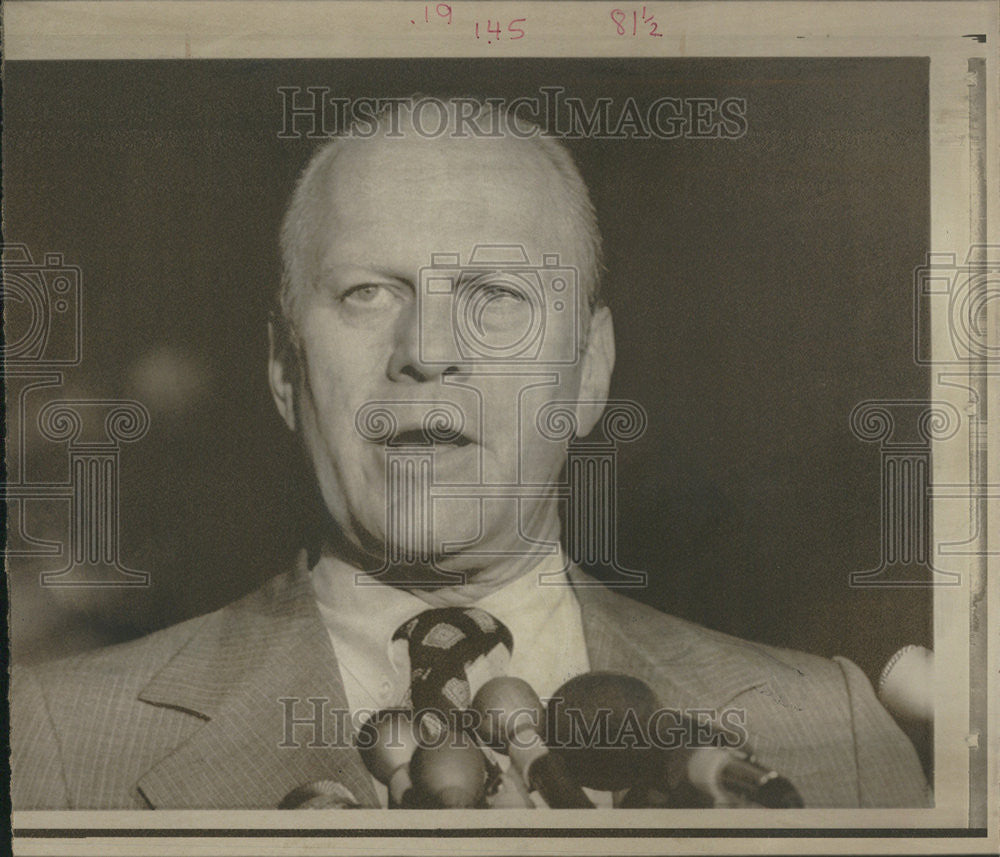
(361, 613)
(359, 604)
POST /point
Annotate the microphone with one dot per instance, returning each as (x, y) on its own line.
(594, 706)
(506, 790)
(387, 743)
(509, 717)
(906, 685)
(733, 778)
(618, 718)
(322, 794)
(906, 689)
(450, 776)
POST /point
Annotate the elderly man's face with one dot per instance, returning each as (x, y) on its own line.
(370, 339)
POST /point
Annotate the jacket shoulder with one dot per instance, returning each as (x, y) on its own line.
(671, 639)
(70, 716)
(132, 663)
(815, 719)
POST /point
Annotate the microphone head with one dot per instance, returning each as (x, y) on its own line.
(906, 686)
(387, 742)
(779, 793)
(451, 776)
(322, 794)
(507, 705)
(597, 723)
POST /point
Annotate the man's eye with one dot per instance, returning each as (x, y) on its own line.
(367, 293)
(498, 291)
(505, 292)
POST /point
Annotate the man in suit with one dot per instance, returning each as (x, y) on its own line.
(372, 357)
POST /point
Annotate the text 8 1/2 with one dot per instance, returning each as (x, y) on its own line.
(635, 23)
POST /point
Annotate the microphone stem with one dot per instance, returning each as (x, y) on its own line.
(545, 773)
(399, 784)
(731, 778)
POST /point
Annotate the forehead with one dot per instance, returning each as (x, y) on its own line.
(395, 201)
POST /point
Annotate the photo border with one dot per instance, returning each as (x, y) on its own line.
(963, 103)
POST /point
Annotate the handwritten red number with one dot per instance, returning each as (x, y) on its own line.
(444, 11)
(512, 29)
(618, 16)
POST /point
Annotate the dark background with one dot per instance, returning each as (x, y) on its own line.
(760, 287)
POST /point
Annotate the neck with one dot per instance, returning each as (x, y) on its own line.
(468, 587)
(457, 580)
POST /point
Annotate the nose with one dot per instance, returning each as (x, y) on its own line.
(422, 337)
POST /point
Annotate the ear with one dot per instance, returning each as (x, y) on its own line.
(282, 370)
(596, 366)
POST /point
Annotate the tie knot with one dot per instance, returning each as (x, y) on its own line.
(444, 628)
(453, 651)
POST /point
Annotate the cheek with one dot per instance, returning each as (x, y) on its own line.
(346, 465)
(512, 424)
(342, 372)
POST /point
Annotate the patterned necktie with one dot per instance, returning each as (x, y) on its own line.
(453, 651)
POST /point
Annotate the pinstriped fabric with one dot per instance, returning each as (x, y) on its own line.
(192, 717)
(832, 739)
(36, 772)
(91, 728)
(879, 754)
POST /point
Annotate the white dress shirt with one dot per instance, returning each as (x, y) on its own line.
(544, 621)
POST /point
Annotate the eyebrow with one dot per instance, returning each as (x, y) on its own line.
(330, 271)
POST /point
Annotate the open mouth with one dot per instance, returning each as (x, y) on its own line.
(425, 437)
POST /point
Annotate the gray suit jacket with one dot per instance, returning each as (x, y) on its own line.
(192, 717)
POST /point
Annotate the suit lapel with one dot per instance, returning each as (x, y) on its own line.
(688, 666)
(243, 671)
